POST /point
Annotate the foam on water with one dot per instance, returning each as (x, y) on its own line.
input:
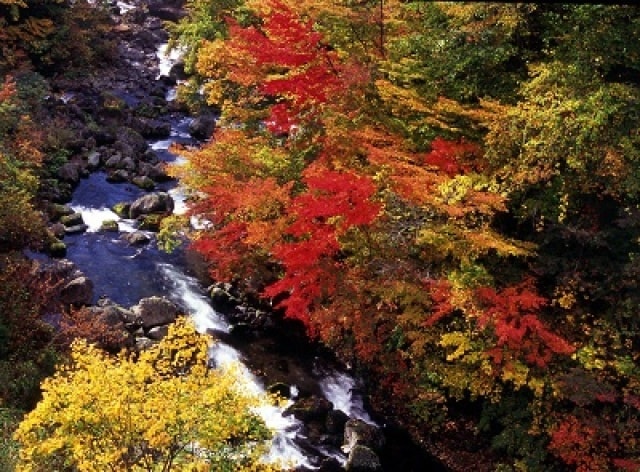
(186, 291)
(340, 389)
(95, 217)
(167, 61)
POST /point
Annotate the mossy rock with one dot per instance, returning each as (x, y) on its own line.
(121, 209)
(144, 182)
(57, 249)
(150, 222)
(58, 210)
(113, 102)
(110, 225)
(73, 219)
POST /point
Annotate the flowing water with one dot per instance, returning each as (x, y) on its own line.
(125, 274)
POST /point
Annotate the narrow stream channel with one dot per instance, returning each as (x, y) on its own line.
(124, 274)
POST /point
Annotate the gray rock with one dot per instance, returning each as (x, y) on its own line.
(202, 127)
(110, 226)
(57, 211)
(159, 202)
(72, 220)
(114, 161)
(359, 432)
(75, 229)
(58, 230)
(336, 421)
(158, 332)
(150, 128)
(121, 209)
(155, 311)
(143, 343)
(136, 238)
(77, 292)
(144, 182)
(155, 172)
(133, 139)
(128, 163)
(118, 175)
(363, 459)
(94, 160)
(70, 172)
(57, 249)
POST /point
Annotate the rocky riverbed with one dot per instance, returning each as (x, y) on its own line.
(110, 119)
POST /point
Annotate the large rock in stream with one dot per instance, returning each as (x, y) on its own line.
(154, 311)
(157, 202)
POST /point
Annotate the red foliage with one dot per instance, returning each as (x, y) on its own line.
(7, 89)
(333, 203)
(288, 60)
(578, 444)
(224, 249)
(452, 157)
(512, 313)
(440, 291)
(331, 194)
(590, 444)
(280, 120)
(83, 323)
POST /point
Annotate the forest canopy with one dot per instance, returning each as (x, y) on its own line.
(448, 193)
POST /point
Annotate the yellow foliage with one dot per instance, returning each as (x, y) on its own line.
(166, 410)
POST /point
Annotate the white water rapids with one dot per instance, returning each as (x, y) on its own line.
(338, 387)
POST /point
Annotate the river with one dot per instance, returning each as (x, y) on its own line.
(125, 273)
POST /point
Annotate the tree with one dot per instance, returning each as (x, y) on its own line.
(167, 410)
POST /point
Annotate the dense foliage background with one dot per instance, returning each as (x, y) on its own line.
(447, 195)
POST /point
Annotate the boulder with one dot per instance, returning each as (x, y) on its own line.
(93, 160)
(118, 176)
(114, 161)
(121, 209)
(70, 172)
(75, 229)
(359, 432)
(156, 172)
(336, 421)
(222, 298)
(151, 129)
(144, 182)
(57, 230)
(133, 139)
(136, 238)
(109, 226)
(158, 202)
(158, 332)
(310, 409)
(57, 211)
(142, 343)
(166, 12)
(72, 220)
(363, 459)
(155, 311)
(77, 292)
(202, 127)
(177, 72)
(57, 249)
(150, 222)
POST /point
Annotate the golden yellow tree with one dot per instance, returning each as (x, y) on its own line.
(166, 410)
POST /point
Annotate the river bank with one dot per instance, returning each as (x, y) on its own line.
(123, 124)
